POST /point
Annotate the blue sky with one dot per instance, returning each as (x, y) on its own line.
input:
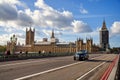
(69, 18)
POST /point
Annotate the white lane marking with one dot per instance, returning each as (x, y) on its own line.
(50, 70)
(24, 63)
(25, 77)
(90, 71)
(20, 63)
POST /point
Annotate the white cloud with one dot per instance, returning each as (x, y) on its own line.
(7, 12)
(81, 27)
(42, 5)
(10, 16)
(20, 38)
(13, 2)
(47, 32)
(10, 1)
(115, 29)
(44, 16)
(20, 35)
(8, 9)
(6, 37)
(24, 19)
(82, 9)
(11, 26)
(48, 16)
(9, 29)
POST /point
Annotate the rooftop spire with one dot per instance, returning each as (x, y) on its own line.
(52, 36)
(30, 23)
(30, 28)
(104, 26)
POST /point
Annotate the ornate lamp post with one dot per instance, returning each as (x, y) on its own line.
(13, 42)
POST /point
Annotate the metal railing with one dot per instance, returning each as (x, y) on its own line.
(18, 56)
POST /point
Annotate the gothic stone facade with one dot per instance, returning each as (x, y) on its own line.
(53, 46)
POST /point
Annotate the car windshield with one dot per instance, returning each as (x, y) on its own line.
(81, 52)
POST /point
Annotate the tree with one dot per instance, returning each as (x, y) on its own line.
(2, 48)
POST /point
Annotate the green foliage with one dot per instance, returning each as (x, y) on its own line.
(115, 50)
(2, 48)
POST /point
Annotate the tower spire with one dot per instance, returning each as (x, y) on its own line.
(52, 36)
(104, 25)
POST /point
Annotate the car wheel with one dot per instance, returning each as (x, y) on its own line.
(83, 59)
(74, 58)
(86, 58)
(80, 59)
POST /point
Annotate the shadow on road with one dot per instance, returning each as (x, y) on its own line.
(93, 60)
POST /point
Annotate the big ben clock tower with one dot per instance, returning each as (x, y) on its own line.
(104, 37)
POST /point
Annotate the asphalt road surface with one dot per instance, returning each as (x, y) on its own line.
(56, 68)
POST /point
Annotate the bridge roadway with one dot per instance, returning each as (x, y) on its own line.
(56, 68)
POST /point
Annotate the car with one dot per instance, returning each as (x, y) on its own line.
(81, 55)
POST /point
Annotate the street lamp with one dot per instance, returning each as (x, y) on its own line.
(13, 42)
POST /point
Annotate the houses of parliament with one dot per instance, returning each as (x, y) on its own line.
(55, 46)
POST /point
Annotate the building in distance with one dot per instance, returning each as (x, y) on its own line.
(104, 37)
(55, 46)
